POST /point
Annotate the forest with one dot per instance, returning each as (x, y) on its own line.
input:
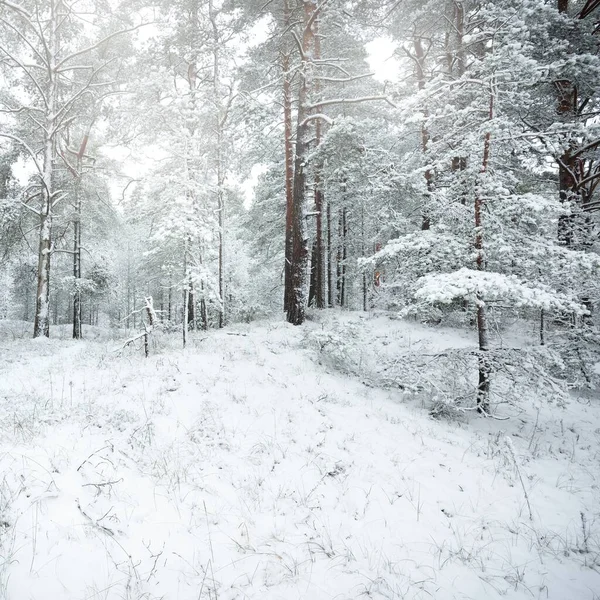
(300, 299)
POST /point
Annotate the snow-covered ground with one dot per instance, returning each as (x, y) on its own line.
(276, 463)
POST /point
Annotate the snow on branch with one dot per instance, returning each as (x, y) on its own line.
(31, 153)
(16, 8)
(481, 287)
(97, 44)
(333, 101)
(149, 325)
(321, 116)
(414, 243)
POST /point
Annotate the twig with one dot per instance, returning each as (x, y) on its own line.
(93, 522)
(99, 485)
(212, 554)
(94, 453)
(511, 450)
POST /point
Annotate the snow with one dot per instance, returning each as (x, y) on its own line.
(478, 286)
(253, 464)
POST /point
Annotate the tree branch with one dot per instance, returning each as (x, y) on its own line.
(331, 102)
(24, 144)
(97, 44)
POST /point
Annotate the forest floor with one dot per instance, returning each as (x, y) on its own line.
(276, 463)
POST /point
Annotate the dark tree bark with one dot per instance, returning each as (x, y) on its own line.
(330, 295)
(484, 366)
(220, 119)
(191, 312)
(300, 252)
(319, 261)
(77, 329)
(312, 288)
(289, 164)
(342, 257)
(419, 59)
(566, 105)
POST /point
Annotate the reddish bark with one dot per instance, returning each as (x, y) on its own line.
(289, 164)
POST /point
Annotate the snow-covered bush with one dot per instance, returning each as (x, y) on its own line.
(339, 349)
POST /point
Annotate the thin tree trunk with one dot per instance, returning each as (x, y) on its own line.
(170, 298)
(364, 253)
(312, 288)
(484, 366)
(128, 309)
(344, 256)
(458, 60)
(191, 312)
(77, 329)
(420, 65)
(186, 294)
(219, 123)
(330, 296)
(567, 105)
(203, 314)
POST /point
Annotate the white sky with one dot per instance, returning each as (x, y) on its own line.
(382, 60)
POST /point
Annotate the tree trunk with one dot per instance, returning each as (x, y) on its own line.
(77, 329)
(566, 105)
(344, 301)
(342, 258)
(170, 298)
(319, 194)
(330, 296)
(300, 253)
(312, 288)
(484, 366)
(458, 60)
(41, 325)
(364, 254)
(128, 309)
(219, 124)
(191, 312)
(184, 324)
(420, 65)
(289, 165)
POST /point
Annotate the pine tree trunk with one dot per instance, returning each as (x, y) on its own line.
(339, 259)
(77, 329)
(319, 263)
(345, 258)
(184, 324)
(484, 366)
(300, 248)
(219, 124)
(458, 61)
(364, 254)
(566, 105)
(289, 165)
(128, 309)
(191, 312)
(420, 65)
(170, 299)
(186, 294)
(330, 296)
(312, 288)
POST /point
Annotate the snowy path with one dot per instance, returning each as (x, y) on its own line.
(240, 468)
